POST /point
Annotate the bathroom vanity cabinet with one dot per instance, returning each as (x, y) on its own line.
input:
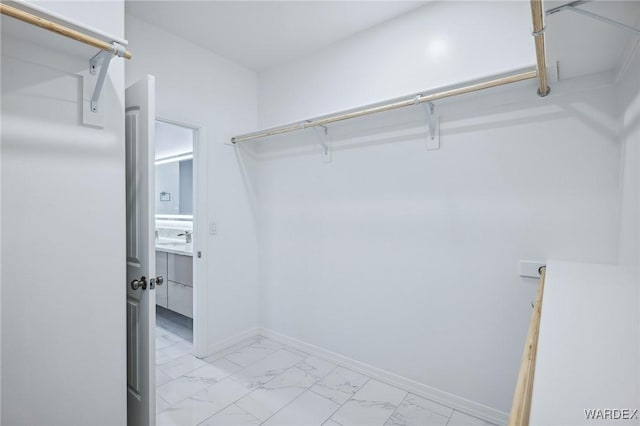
(177, 293)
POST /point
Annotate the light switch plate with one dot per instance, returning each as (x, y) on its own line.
(213, 228)
(529, 268)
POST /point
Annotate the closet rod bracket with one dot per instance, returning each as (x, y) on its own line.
(573, 7)
(102, 59)
(322, 132)
(433, 126)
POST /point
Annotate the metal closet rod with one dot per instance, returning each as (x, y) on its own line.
(513, 78)
(537, 14)
(62, 30)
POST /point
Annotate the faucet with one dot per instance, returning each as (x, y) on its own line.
(187, 236)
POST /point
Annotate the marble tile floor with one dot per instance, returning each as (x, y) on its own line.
(261, 382)
(175, 323)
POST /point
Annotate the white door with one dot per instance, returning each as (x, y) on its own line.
(141, 278)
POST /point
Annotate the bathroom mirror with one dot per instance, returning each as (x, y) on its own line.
(174, 186)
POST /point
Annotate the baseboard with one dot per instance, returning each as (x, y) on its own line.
(461, 404)
(229, 342)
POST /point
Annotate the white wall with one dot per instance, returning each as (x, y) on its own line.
(63, 195)
(628, 97)
(406, 259)
(195, 86)
(168, 180)
(418, 249)
(439, 44)
(172, 140)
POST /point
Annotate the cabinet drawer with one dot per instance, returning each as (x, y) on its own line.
(180, 298)
(161, 270)
(181, 269)
(161, 295)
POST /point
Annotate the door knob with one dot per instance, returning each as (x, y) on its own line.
(156, 281)
(135, 284)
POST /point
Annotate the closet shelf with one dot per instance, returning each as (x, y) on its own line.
(53, 22)
(588, 343)
(34, 24)
(417, 99)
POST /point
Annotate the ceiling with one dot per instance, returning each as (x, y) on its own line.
(261, 34)
(583, 45)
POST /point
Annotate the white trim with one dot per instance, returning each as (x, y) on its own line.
(450, 400)
(201, 238)
(458, 403)
(199, 224)
(232, 341)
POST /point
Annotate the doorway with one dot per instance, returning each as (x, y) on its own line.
(176, 242)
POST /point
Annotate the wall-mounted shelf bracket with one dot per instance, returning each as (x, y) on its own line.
(322, 132)
(573, 7)
(102, 59)
(433, 126)
(93, 83)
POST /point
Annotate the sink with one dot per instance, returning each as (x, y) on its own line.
(172, 246)
(171, 243)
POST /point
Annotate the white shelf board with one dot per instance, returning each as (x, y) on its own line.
(588, 351)
(48, 45)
